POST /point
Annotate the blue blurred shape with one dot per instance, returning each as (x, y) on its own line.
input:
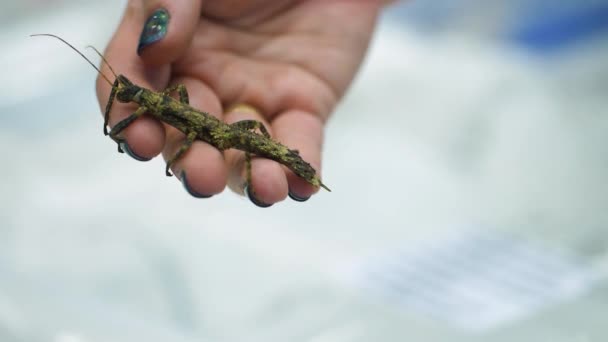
(551, 28)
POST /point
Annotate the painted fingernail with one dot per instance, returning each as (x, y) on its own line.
(297, 198)
(125, 147)
(254, 200)
(187, 187)
(154, 29)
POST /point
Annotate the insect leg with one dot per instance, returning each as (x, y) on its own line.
(251, 125)
(246, 125)
(189, 140)
(248, 187)
(181, 91)
(124, 123)
(106, 115)
(248, 170)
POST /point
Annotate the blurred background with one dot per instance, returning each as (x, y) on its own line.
(477, 209)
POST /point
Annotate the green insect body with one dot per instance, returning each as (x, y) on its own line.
(198, 125)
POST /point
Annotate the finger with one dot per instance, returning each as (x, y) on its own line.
(270, 87)
(203, 164)
(301, 131)
(168, 29)
(145, 137)
(267, 177)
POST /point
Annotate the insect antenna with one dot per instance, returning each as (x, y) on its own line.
(80, 53)
(102, 58)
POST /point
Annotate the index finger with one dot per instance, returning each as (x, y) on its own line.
(145, 137)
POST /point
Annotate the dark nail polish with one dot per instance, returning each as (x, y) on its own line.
(187, 187)
(297, 198)
(154, 29)
(255, 200)
(125, 147)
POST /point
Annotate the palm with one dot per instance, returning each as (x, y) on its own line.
(296, 59)
(291, 60)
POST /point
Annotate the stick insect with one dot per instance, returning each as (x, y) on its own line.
(196, 124)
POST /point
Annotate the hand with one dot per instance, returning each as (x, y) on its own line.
(289, 61)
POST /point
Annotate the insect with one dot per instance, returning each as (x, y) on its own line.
(196, 124)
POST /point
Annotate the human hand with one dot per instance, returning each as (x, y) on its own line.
(284, 63)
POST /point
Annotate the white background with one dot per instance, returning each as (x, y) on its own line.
(439, 132)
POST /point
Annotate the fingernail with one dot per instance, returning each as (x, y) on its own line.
(243, 109)
(187, 187)
(254, 200)
(125, 147)
(154, 29)
(296, 197)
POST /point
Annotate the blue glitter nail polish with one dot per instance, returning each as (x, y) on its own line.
(189, 190)
(154, 29)
(126, 148)
(297, 198)
(253, 199)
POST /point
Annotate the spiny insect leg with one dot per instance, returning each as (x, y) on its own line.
(249, 185)
(247, 125)
(187, 144)
(124, 124)
(106, 115)
(181, 91)
(251, 125)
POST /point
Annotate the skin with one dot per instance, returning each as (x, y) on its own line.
(290, 60)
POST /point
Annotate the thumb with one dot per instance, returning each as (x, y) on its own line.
(168, 29)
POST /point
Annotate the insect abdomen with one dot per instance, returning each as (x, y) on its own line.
(268, 148)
